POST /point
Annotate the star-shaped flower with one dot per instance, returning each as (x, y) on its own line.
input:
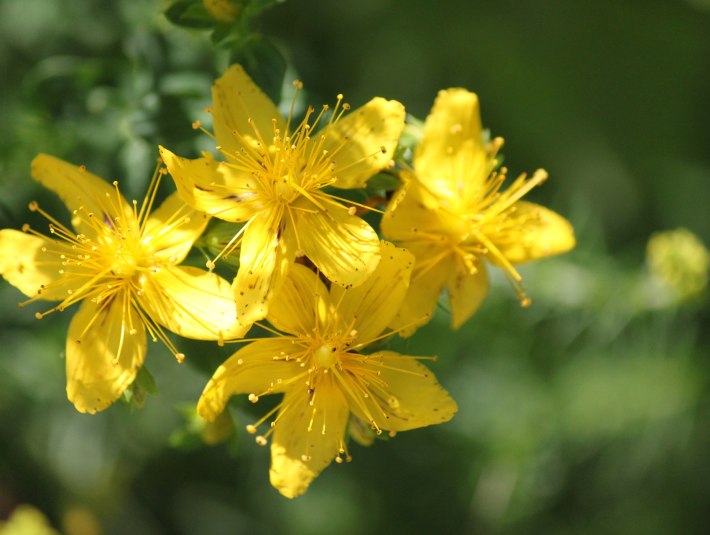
(451, 214)
(318, 360)
(121, 263)
(274, 180)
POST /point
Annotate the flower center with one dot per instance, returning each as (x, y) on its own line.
(124, 263)
(326, 356)
(285, 190)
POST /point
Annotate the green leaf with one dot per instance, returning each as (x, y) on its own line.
(189, 14)
(216, 238)
(146, 381)
(264, 63)
(194, 432)
(223, 33)
(382, 183)
(143, 385)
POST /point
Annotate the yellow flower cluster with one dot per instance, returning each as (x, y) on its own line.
(311, 269)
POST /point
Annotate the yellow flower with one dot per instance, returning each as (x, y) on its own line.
(319, 366)
(274, 180)
(451, 214)
(121, 263)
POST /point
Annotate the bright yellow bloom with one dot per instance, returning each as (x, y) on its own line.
(274, 180)
(121, 263)
(451, 214)
(319, 366)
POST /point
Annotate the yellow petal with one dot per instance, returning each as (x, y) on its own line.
(363, 141)
(535, 232)
(236, 100)
(424, 289)
(173, 228)
(79, 188)
(213, 187)
(28, 268)
(193, 303)
(466, 293)
(413, 398)
(307, 437)
(106, 346)
(451, 160)
(251, 370)
(342, 246)
(374, 304)
(257, 277)
(410, 216)
(301, 303)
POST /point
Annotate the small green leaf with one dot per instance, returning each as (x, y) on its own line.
(224, 33)
(264, 63)
(216, 238)
(146, 381)
(143, 385)
(189, 14)
(195, 432)
(382, 183)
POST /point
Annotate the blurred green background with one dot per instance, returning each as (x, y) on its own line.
(587, 413)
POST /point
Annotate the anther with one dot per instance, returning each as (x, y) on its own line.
(260, 440)
(196, 124)
(253, 398)
(180, 357)
(251, 429)
(352, 211)
(33, 206)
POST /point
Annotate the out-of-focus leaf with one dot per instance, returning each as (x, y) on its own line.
(146, 381)
(196, 432)
(381, 183)
(228, 35)
(189, 14)
(264, 63)
(143, 385)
